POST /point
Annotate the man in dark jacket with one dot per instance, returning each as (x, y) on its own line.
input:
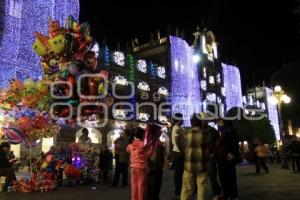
(5, 165)
(213, 136)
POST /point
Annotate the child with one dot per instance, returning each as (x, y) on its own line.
(138, 165)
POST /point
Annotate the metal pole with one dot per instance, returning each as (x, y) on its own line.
(284, 164)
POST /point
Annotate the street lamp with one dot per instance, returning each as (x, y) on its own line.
(279, 97)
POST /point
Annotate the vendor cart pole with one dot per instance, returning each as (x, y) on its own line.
(30, 160)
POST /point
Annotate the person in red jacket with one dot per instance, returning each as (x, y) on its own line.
(138, 165)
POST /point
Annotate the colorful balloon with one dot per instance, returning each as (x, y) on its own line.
(40, 122)
(24, 124)
(29, 84)
(13, 135)
(73, 69)
(57, 44)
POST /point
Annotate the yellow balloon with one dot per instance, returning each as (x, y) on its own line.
(101, 88)
(44, 165)
(39, 48)
(57, 43)
(29, 83)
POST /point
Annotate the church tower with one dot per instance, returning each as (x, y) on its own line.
(19, 19)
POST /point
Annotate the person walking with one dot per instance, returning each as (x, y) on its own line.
(122, 158)
(138, 165)
(196, 161)
(262, 155)
(227, 155)
(178, 153)
(155, 163)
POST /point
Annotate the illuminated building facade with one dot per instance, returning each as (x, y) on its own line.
(259, 98)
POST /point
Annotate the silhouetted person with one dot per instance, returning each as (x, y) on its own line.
(121, 157)
(6, 168)
(261, 156)
(227, 155)
(84, 138)
(178, 153)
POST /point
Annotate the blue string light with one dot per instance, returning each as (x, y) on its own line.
(21, 19)
(232, 86)
(185, 80)
(106, 57)
(152, 70)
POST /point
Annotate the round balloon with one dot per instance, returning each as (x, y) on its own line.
(40, 122)
(24, 124)
(29, 84)
(73, 69)
(13, 135)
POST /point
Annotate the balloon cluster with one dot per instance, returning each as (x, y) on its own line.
(29, 127)
(39, 182)
(28, 93)
(66, 54)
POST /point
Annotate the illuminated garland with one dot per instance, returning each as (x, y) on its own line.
(131, 77)
(106, 59)
(152, 70)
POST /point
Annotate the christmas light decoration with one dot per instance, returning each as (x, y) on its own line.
(120, 80)
(203, 85)
(219, 78)
(142, 66)
(273, 115)
(143, 117)
(163, 91)
(211, 97)
(161, 72)
(152, 70)
(21, 18)
(106, 60)
(119, 113)
(211, 80)
(131, 78)
(143, 86)
(163, 119)
(185, 81)
(95, 49)
(204, 72)
(118, 58)
(233, 89)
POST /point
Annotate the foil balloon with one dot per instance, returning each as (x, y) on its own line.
(24, 124)
(73, 69)
(40, 122)
(13, 135)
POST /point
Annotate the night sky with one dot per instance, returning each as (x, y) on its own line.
(258, 36)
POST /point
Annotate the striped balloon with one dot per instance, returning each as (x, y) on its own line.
(13, 135)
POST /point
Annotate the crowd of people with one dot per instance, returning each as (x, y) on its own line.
(203, 159)
(201, 153)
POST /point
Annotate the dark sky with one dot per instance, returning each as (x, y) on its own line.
(256, 35)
